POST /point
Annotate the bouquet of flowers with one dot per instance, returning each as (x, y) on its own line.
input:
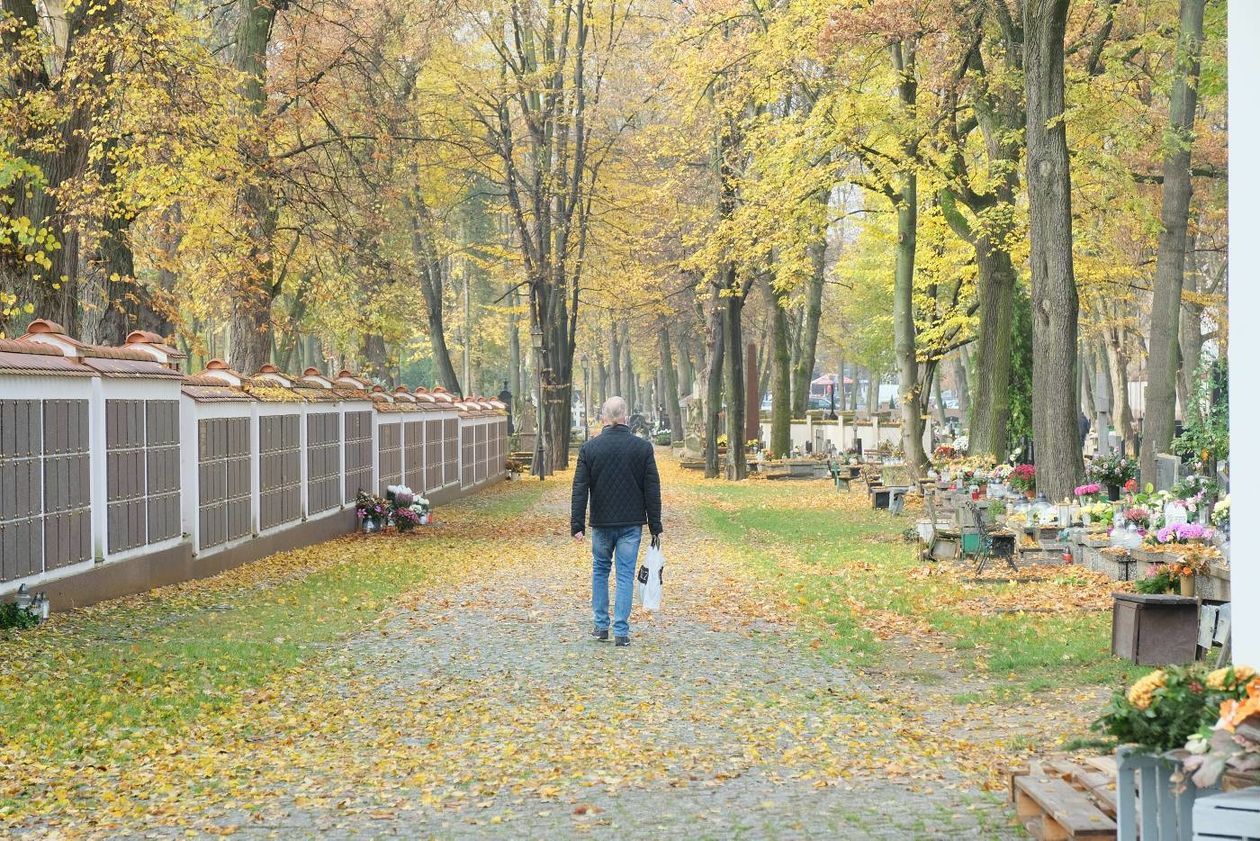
(399, 496)
(1138, 516)
(1023, 478)
(1163, 709)
(943, 455)
(371, 510)
(405, 519)
(1220, 514)
(1088, 491)
(1181, 533)
(1233, 743)
(1114, 470)
(1099, 512)
(406, 509)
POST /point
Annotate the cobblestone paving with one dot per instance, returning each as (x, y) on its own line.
(486, 712)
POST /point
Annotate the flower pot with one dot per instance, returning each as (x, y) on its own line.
(1233, 780)
(1187, 585)
(1113, 493)
(1031, 494)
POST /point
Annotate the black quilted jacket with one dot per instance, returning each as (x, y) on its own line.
(618, 471)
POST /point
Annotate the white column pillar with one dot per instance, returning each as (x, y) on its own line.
(1244, 344)
(255, 465)
(98, 464)
(303, 460)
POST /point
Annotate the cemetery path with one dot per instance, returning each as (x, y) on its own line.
(481, 708)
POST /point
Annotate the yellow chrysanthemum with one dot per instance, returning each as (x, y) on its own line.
(1217, 679)
(1143, 691)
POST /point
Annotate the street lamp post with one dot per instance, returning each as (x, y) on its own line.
(540, 446)
(831, 415)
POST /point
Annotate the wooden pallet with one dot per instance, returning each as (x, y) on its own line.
(1062, 800)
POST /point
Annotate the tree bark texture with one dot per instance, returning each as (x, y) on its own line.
(1118, 372)
(670, 386)
(736, 459)
(804, 365)
(254, 290)
(781, 372)
(1170, 263)
(1054, 298)
(431, 270)
(713, 390)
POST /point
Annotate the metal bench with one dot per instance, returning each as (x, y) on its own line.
(989, 546)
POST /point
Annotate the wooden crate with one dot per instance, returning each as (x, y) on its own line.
(1060, 800)
(1228, 817)
(1153, 630)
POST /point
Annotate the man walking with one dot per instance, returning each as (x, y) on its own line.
(618, 471)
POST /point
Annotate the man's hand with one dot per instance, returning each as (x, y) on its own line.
(579, 537)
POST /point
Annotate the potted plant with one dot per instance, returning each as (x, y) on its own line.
(1112, 472)
(1023, 478)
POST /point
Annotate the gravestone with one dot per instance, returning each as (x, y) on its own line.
(528, 427)
(1167, 470)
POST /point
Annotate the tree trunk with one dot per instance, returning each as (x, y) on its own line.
(903, 326)
(940, 401)
(254, 291)
(960, 383)
(376, 358)
(1191, 344)
(1085, 367)
(1170, 263)
(991, 407)
(736, 459)
(631, 392)
(686, 371)
(872, 391)
(614, 362)
(670, 387)
(781, 372)
(516, 377)
(432, 275)
(804, 372)
(603, 379)
(713, 392)
(1118, 369)
(1054, 298)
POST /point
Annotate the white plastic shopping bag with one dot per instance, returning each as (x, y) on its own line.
(651, 576)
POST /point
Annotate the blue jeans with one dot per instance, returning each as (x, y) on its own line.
(622, 542)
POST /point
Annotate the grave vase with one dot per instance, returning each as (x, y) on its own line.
(1187, 585)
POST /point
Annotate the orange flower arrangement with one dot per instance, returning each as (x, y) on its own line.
(1234, 713)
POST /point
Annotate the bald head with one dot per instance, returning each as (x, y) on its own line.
(614, 410)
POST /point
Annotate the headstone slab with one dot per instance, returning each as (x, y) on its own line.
(1167, 469)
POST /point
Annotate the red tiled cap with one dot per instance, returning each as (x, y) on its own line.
(217, 365)
(43, 325)
(144, 337)
(312, 372)
(268, 368)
